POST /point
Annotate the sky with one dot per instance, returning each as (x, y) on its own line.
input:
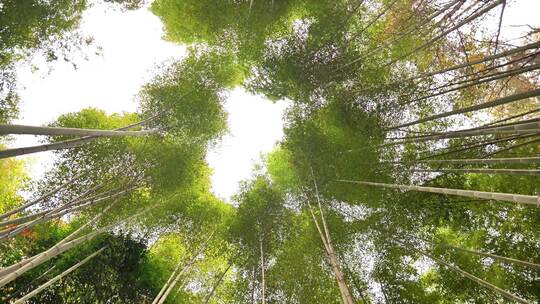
(132, 47)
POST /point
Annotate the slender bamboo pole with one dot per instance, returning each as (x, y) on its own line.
(528, 172)
(220, 279)
(66, 144)
(512, 160)
(479, 145)
(55, 251)
(166, 285)
(58, 212)
(533, 45)
(516, 198)
(344, 288)
(494, 256)
(41, 198)
(478, 81)
(59, 131)
(263, 291)
(475, 279)
(409, 31)
(70, 237)
(512, 117)
(163, 296)
(56, 278)
(485, 105)
(447, 31)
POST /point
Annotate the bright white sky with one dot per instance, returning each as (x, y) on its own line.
(132, 46)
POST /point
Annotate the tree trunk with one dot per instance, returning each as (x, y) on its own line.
(477, 280)
(529, 46)
(262, 270)
(411, 30)
(59, 212)
(526, 172)
(166, 285)
(163, 296)
(493, 256)
(56, 278)
(525, 128)
(41, 198)
(447, 31)
(220, 279)
(18, 265)
(327, 242)
(485, 105)
(516, 198)
(512, 117)
(59, 131)
(52, 252)
(514, 160)
(481, 144)
(66, 144)
(478, 81)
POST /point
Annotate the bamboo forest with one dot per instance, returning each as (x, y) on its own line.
(407, 170)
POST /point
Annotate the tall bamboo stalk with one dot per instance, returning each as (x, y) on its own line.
(59, 212)
(342, 284)
(66, 144)
(70, 237)
(485, 105)
(516, 198)
(162, 296)
(468, 63)
(527, 172)
(60, 131)
(475, 279)
(54, 251)
(41, 198)
(218, 282)
(494, 256)
(478, 81)
(511, 160)
(262, 270)
(57, 278)
(447, 31)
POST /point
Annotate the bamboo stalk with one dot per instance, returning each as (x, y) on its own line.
(513, 160)
(66, 144)
(344, 288)
(446, 32)
(485, 105)
(481, 80)
(494, 256)
(220, 279)
(59, 131)
(41, 198)
(526, 172)
(59, 212)
(516, 198)
(160, 299)
(529, 46)
(56, 278)
(54, 251)
(475, 279)
(262, 270)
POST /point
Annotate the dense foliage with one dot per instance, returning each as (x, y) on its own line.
(325, 217)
